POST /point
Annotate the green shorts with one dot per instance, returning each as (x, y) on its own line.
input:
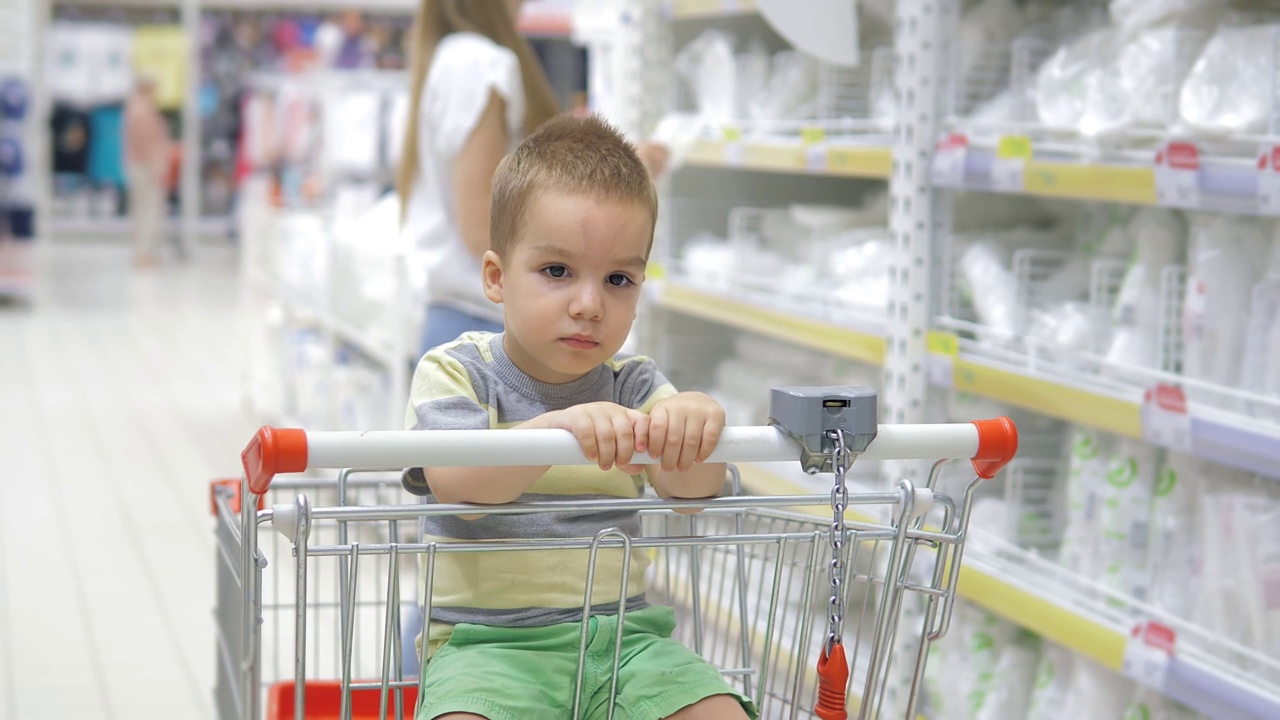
(531, 673)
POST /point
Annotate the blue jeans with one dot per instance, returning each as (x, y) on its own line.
(443, 324)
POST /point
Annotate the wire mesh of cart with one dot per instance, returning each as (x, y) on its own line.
(796, 599)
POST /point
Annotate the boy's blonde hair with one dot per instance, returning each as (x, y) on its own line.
(567, 154)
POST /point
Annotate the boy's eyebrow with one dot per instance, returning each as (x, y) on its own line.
(556, 251)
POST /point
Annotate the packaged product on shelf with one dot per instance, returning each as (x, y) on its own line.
(1051, 684)
(987, 638)
(707, 67)
(1225, 256)
(1132, 15)
(1078, 88)
(1154, 64)
(1240, 595)
(1126, 517)
(1080, 552)
(1015, 671)
(1095, 691)
(1260, 369)
(984, 268)
(792, 89)
(1158, 236)
(1175, 554)
(349, 139)
(1228, 90)
(1148, 704)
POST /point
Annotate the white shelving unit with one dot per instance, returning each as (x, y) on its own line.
(921, 341)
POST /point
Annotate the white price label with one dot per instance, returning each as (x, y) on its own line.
(1165, 419)
(1148, 652)
(733, 153)
(1007, 174)
(941, 370)
(1178, 175)
(815, 158)
(950, 156)
(1269, 181)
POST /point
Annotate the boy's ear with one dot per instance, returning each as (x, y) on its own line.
(491, 273)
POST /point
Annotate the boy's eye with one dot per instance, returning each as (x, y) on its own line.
(619, 279)
(556, 271)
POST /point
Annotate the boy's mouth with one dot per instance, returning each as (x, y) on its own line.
(580, 342)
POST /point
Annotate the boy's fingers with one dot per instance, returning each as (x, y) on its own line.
(640, 431)
(625, 439)
(690, 446)
(657, 432)
(710, 438)
(607, 441)
(672, 444)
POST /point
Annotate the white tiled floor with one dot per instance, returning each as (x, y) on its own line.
(120, 398)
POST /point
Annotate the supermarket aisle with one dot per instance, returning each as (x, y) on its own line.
(119, 400)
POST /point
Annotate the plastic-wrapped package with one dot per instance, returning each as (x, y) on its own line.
(1223, 263)
(1158, 236)
(1151, 69)
(1148, 704)
(707, 66)
(792, 89)
(1174, 559)
(1016, 670)
(1132, 15)
(1228, 90)
(1241, 568)
(709, 261)
(1260, 369)
(1089, 450)
(1126, 516)
(1052, 683)
(984, 268)
(1095, 691)
(1078, 88)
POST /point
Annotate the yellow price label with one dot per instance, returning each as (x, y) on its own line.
(732, 133)
(1014, 147)
(812, 135)
(656, 271)
(942, 343)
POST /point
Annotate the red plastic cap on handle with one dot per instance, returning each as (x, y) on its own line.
(271, 451)
(997, 444)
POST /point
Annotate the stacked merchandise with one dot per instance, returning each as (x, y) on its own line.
(1102, 296)
(236, 46)
(90, 72)
(1197, 68)
(17, 207)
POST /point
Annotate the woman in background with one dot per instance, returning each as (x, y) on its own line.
(477, 90)
(146, 146)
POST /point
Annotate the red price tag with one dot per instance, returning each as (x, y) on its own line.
(1178, 175)
(1269, 180)
(1165, 419)
(1147, 654)
(949, 158)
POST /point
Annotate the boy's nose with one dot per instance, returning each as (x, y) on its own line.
(587, 303)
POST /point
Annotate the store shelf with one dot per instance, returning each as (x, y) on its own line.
(743, 314)
(1018, 589)
(1231, 439)
(311, 307)
(1221, 184)
(691, 9)
(842, 160)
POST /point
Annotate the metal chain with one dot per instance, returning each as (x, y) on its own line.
(839, 501)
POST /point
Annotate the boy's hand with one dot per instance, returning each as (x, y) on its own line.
(609, 433)
(684, 429)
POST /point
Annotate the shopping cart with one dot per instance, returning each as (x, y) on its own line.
(309, 609)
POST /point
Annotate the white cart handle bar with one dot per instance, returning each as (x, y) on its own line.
(990, 444)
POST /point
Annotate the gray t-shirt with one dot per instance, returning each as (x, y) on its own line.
(472, 384)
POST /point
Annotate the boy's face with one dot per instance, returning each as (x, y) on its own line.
(570, 283)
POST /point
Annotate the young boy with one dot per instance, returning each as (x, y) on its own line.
(571, 227)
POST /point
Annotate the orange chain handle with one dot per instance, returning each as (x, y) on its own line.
(833, 678)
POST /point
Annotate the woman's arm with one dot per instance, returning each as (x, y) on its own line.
(473, 174)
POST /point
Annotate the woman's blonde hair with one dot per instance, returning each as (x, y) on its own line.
(492, 19)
